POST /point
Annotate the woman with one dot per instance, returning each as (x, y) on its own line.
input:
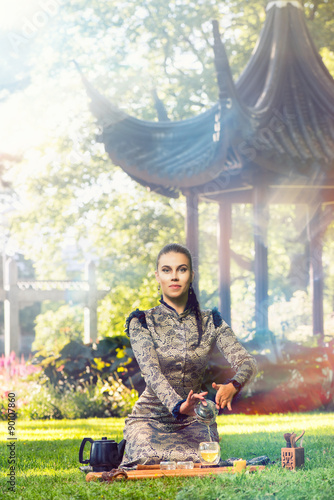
(172, 344)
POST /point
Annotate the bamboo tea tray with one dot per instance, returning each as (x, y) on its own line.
(154, 472)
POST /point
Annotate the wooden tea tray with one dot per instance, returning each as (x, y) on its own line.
(153, 473)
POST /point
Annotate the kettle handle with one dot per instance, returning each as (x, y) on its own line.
(84, 441)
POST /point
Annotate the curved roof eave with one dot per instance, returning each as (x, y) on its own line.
(173, 154)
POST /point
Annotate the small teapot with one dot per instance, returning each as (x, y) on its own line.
(105, 454)
(206, 414)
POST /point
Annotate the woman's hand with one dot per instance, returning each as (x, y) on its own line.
(224, 395)
(188, 407)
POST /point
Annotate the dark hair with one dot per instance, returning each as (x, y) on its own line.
(176, 248)
(192, 299)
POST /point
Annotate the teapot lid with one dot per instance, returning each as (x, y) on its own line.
(105, 440)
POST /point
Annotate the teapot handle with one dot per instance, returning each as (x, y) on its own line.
(84, 441)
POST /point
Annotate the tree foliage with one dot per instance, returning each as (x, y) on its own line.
(69, 190)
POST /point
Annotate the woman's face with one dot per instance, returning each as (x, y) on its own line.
(174, 275)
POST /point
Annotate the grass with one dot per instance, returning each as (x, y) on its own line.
(48, 468)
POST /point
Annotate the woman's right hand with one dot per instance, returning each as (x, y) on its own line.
(188, 407)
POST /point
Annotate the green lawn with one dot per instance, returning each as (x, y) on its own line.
(48, 468)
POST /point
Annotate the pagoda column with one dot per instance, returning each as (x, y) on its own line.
(260, 209)
(192, 233)
(224, 259)
(315, 234)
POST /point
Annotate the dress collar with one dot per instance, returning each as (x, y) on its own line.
(186, 311)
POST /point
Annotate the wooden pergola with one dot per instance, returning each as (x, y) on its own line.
(268, 139)
(17, 294)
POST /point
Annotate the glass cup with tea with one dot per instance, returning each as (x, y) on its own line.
(209, 453)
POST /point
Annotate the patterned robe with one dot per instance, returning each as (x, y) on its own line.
(165, 346)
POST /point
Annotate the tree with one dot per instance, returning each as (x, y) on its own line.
(126, 50)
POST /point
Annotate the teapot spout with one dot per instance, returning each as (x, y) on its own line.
(121, 448)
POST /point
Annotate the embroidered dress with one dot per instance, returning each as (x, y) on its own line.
(165, 346)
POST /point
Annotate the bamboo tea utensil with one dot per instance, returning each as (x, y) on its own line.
(293, 440)
(300, 436)
(287, 439)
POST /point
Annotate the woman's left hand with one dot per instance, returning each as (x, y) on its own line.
(188, 407)
(224, 395)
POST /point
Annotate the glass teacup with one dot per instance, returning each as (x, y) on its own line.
(209, 453)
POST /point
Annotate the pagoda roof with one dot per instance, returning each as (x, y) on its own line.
(289, 89)
(167, 155)
(278, 118)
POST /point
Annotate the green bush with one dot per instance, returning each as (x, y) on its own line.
(109, 398)
(79, 364)
(83, 381)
